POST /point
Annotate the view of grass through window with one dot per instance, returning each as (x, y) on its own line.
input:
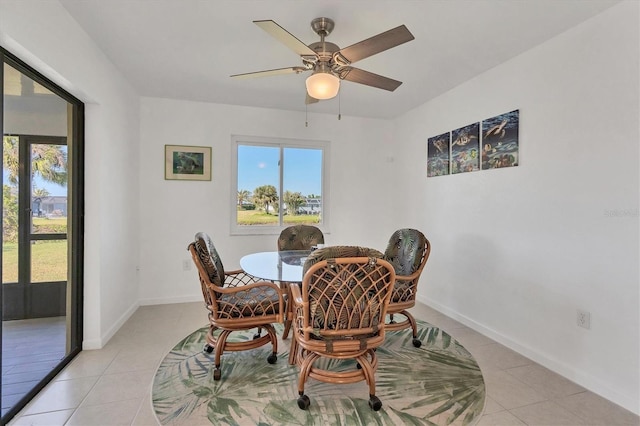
(279, 185)
(48, 258)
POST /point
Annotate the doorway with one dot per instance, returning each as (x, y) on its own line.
(42, 230)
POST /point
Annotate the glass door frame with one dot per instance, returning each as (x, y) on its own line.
(75, 223)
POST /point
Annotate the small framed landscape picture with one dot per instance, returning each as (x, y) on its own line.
(187, 162)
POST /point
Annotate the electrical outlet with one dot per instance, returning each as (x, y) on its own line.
(186, 265)
(584, 319)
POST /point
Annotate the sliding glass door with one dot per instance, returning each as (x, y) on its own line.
(42, 202)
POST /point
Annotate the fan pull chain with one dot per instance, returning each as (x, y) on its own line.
(306, 115)
(339, 98)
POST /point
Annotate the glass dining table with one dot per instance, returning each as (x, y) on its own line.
(282, 266)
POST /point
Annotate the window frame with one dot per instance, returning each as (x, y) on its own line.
(281, 143)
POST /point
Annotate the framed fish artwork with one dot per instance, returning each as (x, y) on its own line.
(500, 141)
(465, 149)
(438, 155)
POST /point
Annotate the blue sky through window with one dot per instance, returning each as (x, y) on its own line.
(258, 165)
(52, 188)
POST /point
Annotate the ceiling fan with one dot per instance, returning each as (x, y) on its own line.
(330, 64)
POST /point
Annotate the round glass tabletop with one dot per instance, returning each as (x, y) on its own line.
(276, 265)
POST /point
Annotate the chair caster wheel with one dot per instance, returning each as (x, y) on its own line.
(358, 366)
(207, 348)
(217, 373)
(256, 336)
(304, 402)
(375, 403)
(272, 359)
(417, 343)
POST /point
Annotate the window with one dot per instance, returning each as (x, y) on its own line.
(277, 183)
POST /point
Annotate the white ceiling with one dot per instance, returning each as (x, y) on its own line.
(187, 49)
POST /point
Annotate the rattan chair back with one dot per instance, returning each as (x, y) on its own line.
(408, 251)
(300, 237)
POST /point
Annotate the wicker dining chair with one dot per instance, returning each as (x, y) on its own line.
(236, 301)
(300, 237)
(339, 315)
(408, 251)
(297, 237)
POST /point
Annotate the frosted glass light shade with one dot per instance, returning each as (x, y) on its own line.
(322, 85)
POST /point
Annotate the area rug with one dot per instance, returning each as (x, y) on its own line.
(439, 383)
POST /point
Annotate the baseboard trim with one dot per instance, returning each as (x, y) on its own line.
(99, 343)
(579, 377)
(168, 300)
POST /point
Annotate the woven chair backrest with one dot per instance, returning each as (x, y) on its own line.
(300, 237)
(407, 250)
(347, 288)
(333, 252)
(209, 258)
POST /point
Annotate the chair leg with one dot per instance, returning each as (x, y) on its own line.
(369, 374)
(274, 344)
(288, 316)
(294, 350)
(220, 344)
(287, 327)
(305, 369)
(414, 327)
(211, 341)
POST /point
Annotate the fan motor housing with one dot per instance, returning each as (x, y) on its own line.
(325, 50)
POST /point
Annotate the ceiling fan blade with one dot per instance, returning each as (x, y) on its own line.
(373, 45)
(285, 37)
(310, 100)
(357, 75)
(267, 73)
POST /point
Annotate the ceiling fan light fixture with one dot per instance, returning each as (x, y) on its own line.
(322, 85)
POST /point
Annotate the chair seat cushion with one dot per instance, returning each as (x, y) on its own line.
(257, 301)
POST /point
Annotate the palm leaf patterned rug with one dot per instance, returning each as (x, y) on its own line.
(439, 383)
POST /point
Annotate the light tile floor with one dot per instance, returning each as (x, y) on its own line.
(112, 386)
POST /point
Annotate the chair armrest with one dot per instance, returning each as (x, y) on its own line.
(408, 277)
(238, 277)
(296, 296)
(248, 287)
(300, 311)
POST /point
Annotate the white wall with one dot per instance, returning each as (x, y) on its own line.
(43, 34)
(517, 251)
(173, 211)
